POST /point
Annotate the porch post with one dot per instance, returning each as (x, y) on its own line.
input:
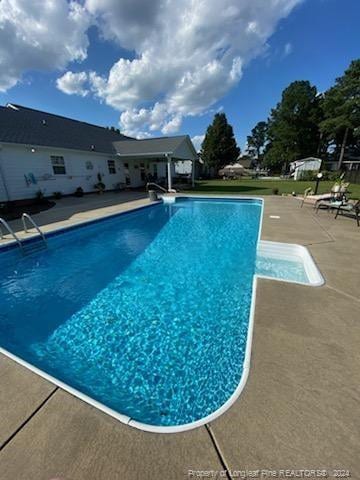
(193, 166)
(169, 172)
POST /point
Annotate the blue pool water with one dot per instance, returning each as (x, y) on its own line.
(145, 312)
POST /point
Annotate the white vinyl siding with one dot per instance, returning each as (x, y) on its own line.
(26, 172)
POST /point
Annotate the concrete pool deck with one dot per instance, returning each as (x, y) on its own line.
(300, 408)
(72, 210)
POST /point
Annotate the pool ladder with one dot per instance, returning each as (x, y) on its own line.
(26, 248)
(152, 184)
(10, 230)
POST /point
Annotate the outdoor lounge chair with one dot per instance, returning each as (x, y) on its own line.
(350, 208)
(334, 194)
(309, 197)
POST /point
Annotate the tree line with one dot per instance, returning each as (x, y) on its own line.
(304, 123)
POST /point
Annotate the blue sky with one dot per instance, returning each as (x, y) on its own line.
(174, 80)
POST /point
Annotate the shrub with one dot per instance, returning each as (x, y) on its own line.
(275, 191)
(4, 208)
(100, 187)
(79, 192)
(308, 175)
(39, 196)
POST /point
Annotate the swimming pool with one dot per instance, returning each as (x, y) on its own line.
(144, 314)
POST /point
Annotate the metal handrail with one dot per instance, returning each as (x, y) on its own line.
(156, 185)
(25, 217)
(160, 187)
(11, 231)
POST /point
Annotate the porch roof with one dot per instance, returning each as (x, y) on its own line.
(177, 147)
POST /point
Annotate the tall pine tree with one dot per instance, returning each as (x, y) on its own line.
(257, 140)
(341, 107)
(219, 147)
(293, 130)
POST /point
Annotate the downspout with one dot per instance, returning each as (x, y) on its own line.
(193, 173)
(168, 156)
(3, 180)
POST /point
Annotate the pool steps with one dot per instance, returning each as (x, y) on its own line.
(291, 252)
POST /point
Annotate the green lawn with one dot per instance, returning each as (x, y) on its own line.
(265, 187)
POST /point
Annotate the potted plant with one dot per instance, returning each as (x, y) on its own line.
(99, 186)
(337, 186)
(39, 195)
(79, 192)
(57, 195)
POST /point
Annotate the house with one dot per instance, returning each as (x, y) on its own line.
(246, 161)
(299, 167)
(350, 162)
(51, 153)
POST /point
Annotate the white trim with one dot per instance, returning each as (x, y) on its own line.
(230, 401)
(119, 416)
(83, 222)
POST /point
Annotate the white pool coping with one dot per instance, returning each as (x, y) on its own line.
(274, 249)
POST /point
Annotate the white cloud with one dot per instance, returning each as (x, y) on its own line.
(197, 141)
(73, 83)
(173, 125)
(288, 48)
(40, 35)
(133, 120)
(185, 54)
(188, 54)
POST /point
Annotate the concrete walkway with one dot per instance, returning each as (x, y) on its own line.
(300, 408)
(72, 210)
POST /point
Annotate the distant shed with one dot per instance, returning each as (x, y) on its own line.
(298, 167)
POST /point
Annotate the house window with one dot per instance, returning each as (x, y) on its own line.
(111, 167)
(58, 165)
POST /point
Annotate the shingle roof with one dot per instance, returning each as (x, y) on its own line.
(149, 145)
(24, 125)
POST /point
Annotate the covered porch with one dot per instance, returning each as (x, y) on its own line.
(150, 160)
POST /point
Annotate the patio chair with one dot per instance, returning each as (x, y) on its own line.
(335, 194)
(309, 197)
(350, 208)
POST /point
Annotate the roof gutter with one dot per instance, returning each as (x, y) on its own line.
(149, 154)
